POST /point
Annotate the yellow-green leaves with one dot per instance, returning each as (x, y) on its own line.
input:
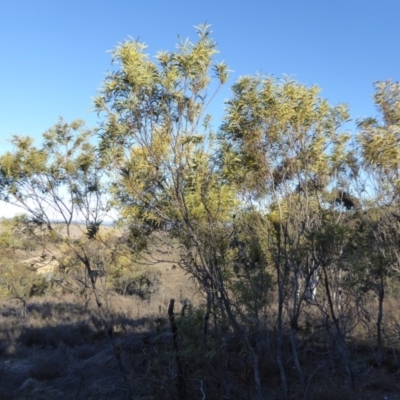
(25, 161)
(284, 132)
(55, 180)
(157, 133)
(387, 99)
(136, 67)
(380, 143)
(221, 72)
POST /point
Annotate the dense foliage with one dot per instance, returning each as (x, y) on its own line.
(289, 223)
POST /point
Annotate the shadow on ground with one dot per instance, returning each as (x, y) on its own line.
(60, 351)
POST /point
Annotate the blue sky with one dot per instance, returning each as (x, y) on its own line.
(54, 53)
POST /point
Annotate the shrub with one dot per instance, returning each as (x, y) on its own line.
(39, 287)
(144, 285)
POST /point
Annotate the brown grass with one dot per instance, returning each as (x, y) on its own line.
(61, 350)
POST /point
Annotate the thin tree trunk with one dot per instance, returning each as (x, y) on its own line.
(381, 296)
(279, 341)
(227, 308)
(180, 382)
(281, 299)
(294, 325)
(293, 340)
(342, 347)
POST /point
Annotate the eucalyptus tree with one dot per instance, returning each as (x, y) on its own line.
(284, 148)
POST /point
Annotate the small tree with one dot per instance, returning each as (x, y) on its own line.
(379, 144)
(56, 186)
(18, 280)
(282, 147)
(160, 142)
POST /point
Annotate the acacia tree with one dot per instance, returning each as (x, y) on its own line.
(56, 185)
(379, 140)
(282, 146)
(266, 200)
(61, 188)
(160, 142)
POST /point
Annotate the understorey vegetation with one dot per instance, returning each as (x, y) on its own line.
(256, 257)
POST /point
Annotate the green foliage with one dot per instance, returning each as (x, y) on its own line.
(379, 144)
(379, 141)
(20, 281)
(143, 285)
(278, 207)
(57, 181)
(55, 184)
(280, 135)
(17, 279)
(153, 134)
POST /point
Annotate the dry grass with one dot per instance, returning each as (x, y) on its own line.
(61, 350)
(48, 348)
(58, 352)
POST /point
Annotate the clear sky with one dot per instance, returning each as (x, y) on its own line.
(54, 52)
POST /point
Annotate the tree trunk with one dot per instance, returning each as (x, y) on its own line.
(180, 381)
(342, 347)
(381, 296)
